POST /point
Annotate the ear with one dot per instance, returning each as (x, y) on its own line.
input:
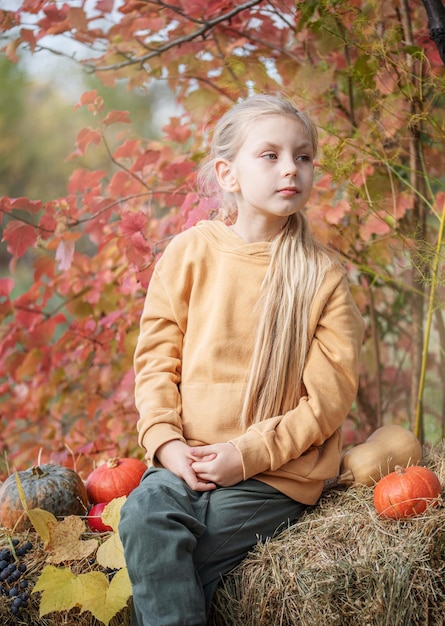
(225, 174)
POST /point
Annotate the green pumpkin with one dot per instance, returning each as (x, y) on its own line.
(50, 487)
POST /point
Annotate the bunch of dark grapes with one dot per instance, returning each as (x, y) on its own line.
(13, 580)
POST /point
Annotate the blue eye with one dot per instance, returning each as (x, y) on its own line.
(304, 157)
(270, 156)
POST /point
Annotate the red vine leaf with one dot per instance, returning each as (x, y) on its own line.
(117, 116)
(87, 136)
(6, 286)
(19, 237)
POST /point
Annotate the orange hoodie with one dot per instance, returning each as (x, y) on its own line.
(194, 349)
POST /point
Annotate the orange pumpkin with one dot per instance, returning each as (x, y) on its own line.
(50, 487)
(406, 492)
(113, 479)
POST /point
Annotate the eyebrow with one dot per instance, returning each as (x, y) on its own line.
(306, 145)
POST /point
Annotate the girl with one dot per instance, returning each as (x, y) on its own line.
(246, 367)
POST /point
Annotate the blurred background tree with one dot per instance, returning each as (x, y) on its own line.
(368, 73)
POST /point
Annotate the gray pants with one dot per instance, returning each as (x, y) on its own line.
(179, 542)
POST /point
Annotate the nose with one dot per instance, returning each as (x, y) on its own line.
(290, 166)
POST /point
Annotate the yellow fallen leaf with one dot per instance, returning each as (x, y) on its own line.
(65, 543)
(111, 553)
(60, 589)
(42, 520)
(103, 598)
(39, 518)
(112, 512)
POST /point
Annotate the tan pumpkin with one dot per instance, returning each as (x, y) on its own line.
(50, 487)
(388, 446)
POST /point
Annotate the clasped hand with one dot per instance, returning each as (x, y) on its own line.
(203, 467)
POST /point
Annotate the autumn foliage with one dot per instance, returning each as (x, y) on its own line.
(373, 80)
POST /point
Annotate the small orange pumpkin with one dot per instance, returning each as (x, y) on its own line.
(406, 492)
(113, 479)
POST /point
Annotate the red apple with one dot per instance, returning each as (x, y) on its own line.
(95, 518)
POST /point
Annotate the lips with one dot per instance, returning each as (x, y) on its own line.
(288, 190)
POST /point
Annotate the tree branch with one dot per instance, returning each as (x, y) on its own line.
(199, 32)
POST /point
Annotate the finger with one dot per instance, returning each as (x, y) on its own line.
(200, 467)
(207, 477)
(195, 482)
(203, 459)
(202, 451)
(204, 486)
(200, 484)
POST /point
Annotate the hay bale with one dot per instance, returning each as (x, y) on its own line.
(341, 565)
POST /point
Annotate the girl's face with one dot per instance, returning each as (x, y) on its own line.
(272, 174)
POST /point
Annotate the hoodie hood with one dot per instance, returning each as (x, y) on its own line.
(223, 238)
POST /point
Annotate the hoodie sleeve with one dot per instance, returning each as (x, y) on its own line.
(330, 380)
(157, 364)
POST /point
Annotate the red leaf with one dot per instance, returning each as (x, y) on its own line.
(360, 177)
(132, 223)
(90, 99)
(374, 225)
(129, 149)
(440, 201)
(178, 170)
(106, 6)
(404, 202)
(43, 266)
(32, 6)
(47, 223)
(87, 136)
(177, 131)
(431, 51)
(6, 286)
(44, 331)
(27, 318)
(5, 204)
(19, 237)
(123, 184)
(109, 320)
(141, 245)
(28, 36)
(81, 180)
(195, 211)
(117, 116)
(33, 206)
(150, 157)
(77, 18)
(54, 13)
(334, 214)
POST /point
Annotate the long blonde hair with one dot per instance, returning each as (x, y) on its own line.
(297, 268)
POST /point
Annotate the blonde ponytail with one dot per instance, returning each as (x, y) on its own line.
(297, 268)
